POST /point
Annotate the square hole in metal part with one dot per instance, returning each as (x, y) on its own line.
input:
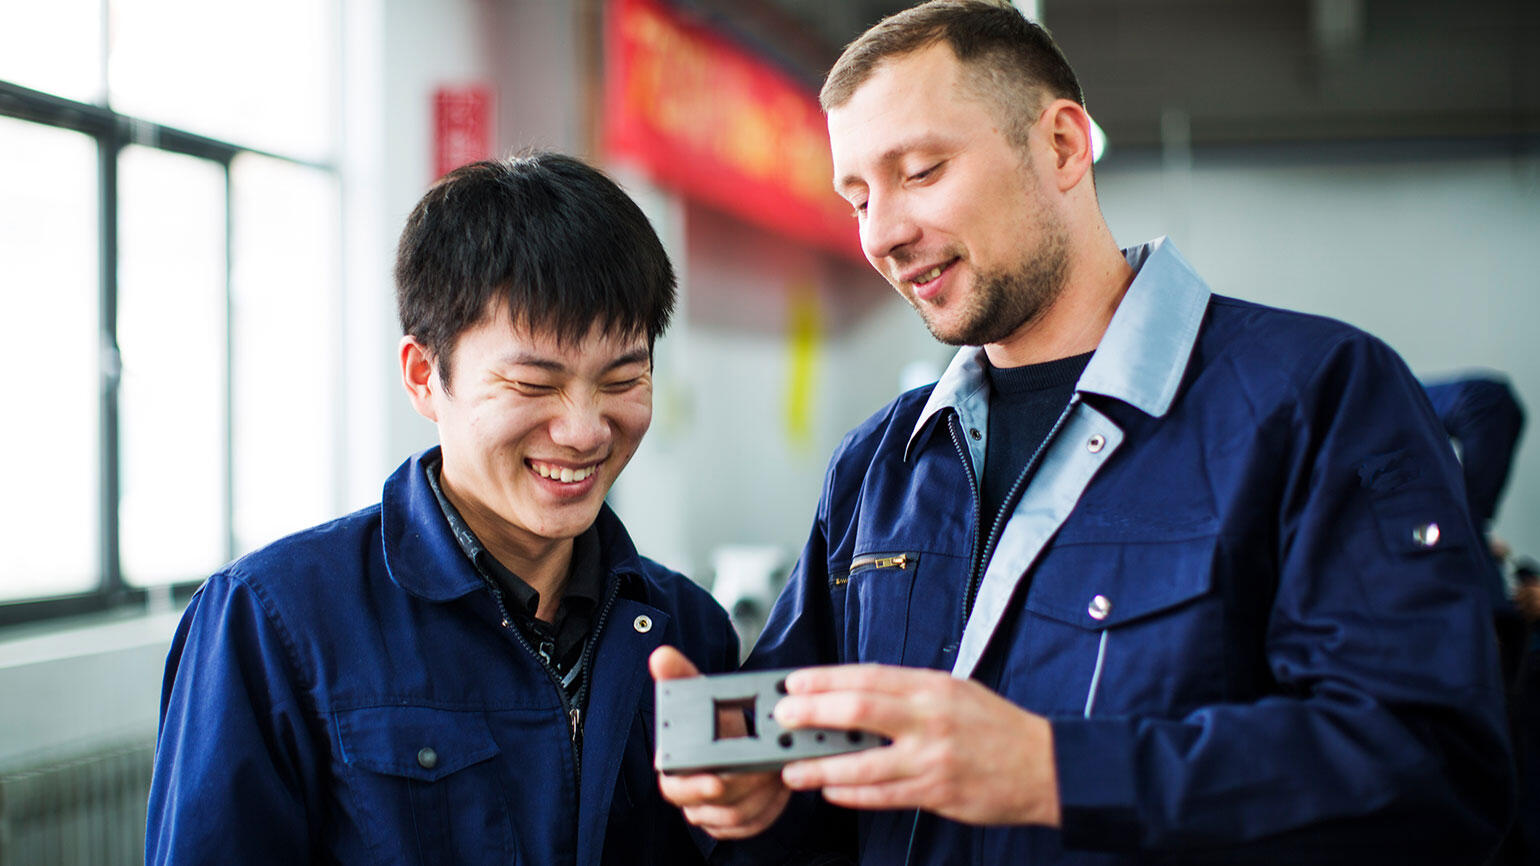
(734, 718)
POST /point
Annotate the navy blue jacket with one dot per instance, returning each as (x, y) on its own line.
(351, 694)
(1242, 585)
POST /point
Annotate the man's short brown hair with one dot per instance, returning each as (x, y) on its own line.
(1011, 62)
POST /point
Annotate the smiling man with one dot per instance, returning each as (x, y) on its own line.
(1150, 575)
(456, 675)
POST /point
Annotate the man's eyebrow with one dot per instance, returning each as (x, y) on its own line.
(530, 359)
(639, 355)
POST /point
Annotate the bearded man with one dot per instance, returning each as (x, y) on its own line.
(1150, 575)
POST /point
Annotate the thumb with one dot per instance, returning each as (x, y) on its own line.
(667, 663)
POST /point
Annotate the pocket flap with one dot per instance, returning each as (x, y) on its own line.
(1417, 521)
(1098, 586)
(417, 742)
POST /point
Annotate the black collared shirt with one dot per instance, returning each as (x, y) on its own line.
(559, 643)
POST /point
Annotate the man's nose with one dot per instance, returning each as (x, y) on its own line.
(888, 226)
(581, 425)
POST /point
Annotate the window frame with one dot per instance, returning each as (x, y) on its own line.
(112, 132)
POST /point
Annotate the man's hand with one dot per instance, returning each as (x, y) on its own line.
(958, 750)
(728, 806)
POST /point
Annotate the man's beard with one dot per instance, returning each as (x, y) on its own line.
(1004, 300)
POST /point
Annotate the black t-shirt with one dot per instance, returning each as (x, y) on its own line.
(1024, 403)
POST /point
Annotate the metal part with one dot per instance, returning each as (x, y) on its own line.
(692, 736)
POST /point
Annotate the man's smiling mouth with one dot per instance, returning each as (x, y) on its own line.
(929, 275)
(564, 474)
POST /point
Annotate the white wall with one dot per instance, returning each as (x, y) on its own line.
(72, 687)
(1430, 251)
(428, 44)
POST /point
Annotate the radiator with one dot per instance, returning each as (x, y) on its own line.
(83, 809)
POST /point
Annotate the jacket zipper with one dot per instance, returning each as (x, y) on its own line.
(976, 571)
(955, 429)
(901, 561)
(585, 662)
(572, 707)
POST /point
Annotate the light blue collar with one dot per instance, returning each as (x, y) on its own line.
(1141, 357)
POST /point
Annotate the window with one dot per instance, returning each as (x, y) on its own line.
(50, 435)
(169, 257)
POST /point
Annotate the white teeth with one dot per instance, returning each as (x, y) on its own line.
(564, 474)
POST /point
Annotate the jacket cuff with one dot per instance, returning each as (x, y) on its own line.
(1098, 796)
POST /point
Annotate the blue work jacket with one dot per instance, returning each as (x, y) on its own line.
(352, 694)
(1241, 584)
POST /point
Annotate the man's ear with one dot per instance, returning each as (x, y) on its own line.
(419, 376)
(1068, 127)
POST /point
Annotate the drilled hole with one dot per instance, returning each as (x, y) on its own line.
(735, 719)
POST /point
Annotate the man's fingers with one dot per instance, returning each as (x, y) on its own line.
(747, 818)
(872, 767)
(880, 778)
(720, 790)
(885, 714)
(888, 679)
(693, 789)
(904, 794)
(667, 663)
(732, 806)
(740, 788)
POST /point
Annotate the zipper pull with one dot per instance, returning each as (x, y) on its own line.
(576, 715)
(899, 561)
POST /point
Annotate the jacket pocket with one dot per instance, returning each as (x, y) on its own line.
(1416, 522)
(1121, 583)
(423, 783)
(870, 600)
(1121, 628)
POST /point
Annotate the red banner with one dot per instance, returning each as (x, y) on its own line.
(462, 127)
(705, 118)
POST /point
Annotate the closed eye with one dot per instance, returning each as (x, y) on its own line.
(623, 385)
(925, 173)
(533, 389)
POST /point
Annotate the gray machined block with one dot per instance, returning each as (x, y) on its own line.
(689, 740)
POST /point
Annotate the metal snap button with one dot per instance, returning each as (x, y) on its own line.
(1095, 444)
(1426, 535)
(1099, 608)
(642, 624)
(427, 758)
(974, 432)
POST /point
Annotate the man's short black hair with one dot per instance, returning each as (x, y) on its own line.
(548, 237)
